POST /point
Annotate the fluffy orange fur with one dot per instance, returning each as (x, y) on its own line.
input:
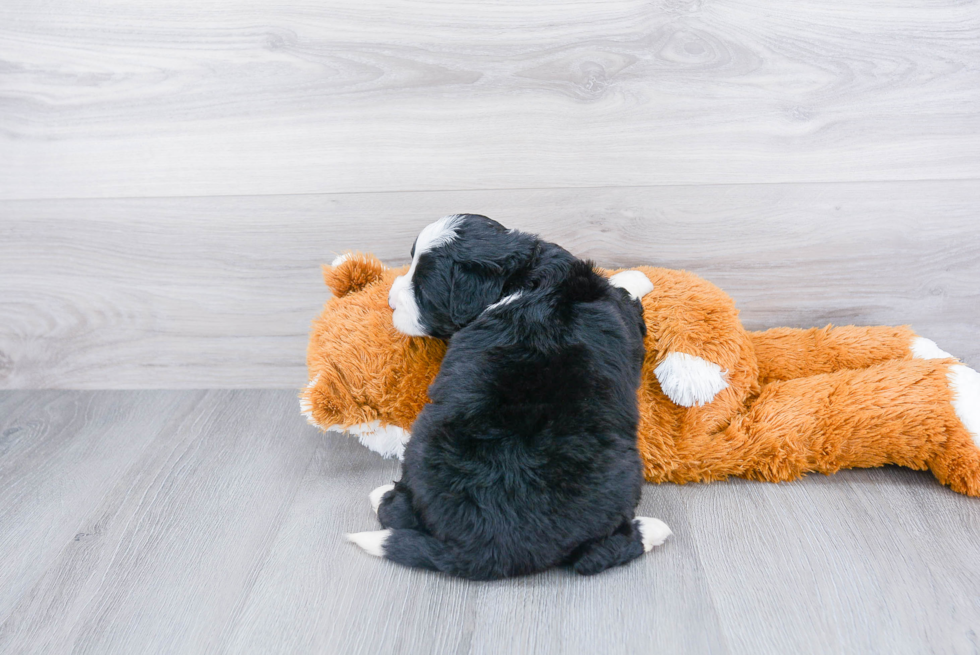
(797, 400)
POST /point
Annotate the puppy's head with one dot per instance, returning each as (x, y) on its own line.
(460, 265)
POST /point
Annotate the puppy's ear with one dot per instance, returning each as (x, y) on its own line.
(473, 288)
(351, 272)
(487, 244)
(485, 257)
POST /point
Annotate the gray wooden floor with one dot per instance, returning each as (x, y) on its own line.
(212, 521)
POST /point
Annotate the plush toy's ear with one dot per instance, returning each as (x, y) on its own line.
(352, 271)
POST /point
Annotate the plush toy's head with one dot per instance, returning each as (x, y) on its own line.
(365, 376)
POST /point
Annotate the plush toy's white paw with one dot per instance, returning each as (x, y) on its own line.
(635, 282)
(965, 384)
(653, 532)
(373, 542)
(376, 495)
(688, 380)
(305, 405)
(386, 440)
(923, 348)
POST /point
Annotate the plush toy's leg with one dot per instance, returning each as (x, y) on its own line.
(787, 353)
(915, 413)
(394, 507)
(958, 465)
(629, 541)
(386, 440)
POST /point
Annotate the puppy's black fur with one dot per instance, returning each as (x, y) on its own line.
(526, 457)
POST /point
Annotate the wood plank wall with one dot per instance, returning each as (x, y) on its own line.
(172, 174)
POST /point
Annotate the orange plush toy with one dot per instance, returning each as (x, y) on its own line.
(715, 400)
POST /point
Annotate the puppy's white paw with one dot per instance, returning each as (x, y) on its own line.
(376, 495)
(965, 384)
(340, 259)
(635, 282)
(653, 532)
(373, 542)
(690, 381)
(923, 348)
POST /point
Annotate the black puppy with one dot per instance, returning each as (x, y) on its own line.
(526, 457)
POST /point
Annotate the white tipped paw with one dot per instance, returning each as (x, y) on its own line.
(376, 496)
(690, 381)
(386, 440)
(306, 403)
(373, 543)
(635, 282)
(653, 532)
(965, 384)
(923, 348)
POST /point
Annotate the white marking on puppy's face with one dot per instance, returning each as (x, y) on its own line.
(688, 380)
(923, 348)
(965, 383)
(373, 542)
(653, 532)
(376, 496)
(401, 298)
(635, 282)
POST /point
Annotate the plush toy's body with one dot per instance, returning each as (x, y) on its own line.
(715, 401)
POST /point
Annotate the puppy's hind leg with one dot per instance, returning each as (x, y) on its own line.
(393, 504)
(629, 541)
(376, 496)
(412, 548)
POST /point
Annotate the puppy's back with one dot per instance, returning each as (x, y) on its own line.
(528, 448)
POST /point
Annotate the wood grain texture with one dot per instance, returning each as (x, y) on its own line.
(60, 454)
(173, 174)
(220, 531)
(112, 99)
(877, 561)
(219, 292)
(164, 560)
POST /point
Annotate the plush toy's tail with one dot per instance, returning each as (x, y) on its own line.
(916, 413)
